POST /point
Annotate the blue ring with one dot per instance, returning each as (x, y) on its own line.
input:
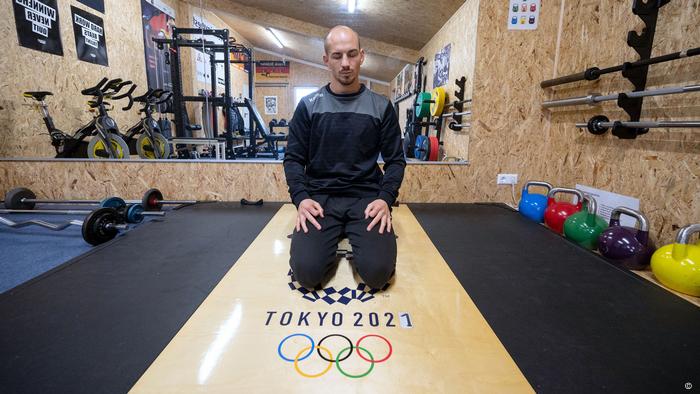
(279, 348)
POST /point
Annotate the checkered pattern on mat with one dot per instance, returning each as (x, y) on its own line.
(330, 295)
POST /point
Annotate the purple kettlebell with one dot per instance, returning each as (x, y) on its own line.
(627, 246)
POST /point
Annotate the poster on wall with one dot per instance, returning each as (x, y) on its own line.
(276, 70)
(202, 60)
(38, 25)
(158, 21)
(90, 42)
(399, 84)
(97, 5)
(441, 71)
(242, 57)
(523, 15)
(408, 78)
(270, 105)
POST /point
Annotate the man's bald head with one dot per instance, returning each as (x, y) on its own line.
(340, 33)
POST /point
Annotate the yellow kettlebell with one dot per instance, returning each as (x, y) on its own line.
(677, 266)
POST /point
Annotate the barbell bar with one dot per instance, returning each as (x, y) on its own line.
(600, 124)
(23, 198)
(594, 73)
(68, 212)
(595, 98)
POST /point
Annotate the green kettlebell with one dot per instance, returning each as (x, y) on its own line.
(585, 226)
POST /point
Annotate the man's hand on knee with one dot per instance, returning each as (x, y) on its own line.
(308, 210)
(379, 210)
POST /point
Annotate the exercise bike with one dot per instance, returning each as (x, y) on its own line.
(101, 127)
(150, 144)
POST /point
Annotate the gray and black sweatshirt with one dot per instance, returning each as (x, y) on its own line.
(334, 143)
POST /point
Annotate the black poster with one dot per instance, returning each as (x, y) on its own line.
(97, 5)
(156, 24)
(90, 40)
(38, 26)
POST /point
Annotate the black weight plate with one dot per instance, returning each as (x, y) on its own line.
(151, 200)
(13, 198)
(95, 226)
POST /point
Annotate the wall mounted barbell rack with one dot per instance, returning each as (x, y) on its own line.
(600, 124)
(595, 98)
(594, 73)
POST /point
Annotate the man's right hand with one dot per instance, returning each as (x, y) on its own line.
(308, 210)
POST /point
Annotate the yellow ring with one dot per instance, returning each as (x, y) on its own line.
(439, 96)
(117, 148)
(328, 368)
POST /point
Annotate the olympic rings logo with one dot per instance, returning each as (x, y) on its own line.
(343, 354)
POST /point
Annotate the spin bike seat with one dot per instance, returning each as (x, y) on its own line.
(38, 96)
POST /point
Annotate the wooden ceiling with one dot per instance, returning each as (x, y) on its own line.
(406, 23)
(392, 31)
(310, 49)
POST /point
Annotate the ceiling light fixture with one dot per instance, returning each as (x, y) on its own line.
(276, 39)
(351, 6)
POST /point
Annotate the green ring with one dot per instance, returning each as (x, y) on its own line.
(340, 355)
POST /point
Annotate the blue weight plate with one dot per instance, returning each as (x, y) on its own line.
(113, 202)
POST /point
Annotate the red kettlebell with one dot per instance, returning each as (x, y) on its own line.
(557, 212)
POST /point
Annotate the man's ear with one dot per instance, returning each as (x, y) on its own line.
(362, 56)
(325, 59)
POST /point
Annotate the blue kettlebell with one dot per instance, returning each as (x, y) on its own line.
(532, 205)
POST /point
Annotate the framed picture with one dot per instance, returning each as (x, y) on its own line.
(270, 105)
(442, 67)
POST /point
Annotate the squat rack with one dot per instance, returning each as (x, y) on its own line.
(211, 48)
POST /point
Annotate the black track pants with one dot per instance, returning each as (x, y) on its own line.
(313, 254)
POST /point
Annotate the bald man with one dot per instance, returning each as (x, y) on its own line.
(335, 138)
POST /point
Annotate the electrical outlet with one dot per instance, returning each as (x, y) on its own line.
(507, 179)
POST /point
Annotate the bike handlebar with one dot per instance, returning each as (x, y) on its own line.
(93, 91)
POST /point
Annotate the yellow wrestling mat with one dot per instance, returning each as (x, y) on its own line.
(425, 333)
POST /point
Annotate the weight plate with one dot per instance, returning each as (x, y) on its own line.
(423, 105)
(97, 149)
(134, 214)
(96, 226)
(409, 144)
(419, 152)
(439, 97)
(13, 198)
(113, 202)
(593, 124)
(434, 148)
(151, 200)
(146, 149)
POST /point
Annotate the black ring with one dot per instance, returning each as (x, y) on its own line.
(318, 347)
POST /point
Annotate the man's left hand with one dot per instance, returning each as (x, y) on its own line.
(379, 210)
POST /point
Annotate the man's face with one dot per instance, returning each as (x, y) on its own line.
(344, 58)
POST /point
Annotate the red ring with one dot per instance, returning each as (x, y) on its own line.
(357, 345)
(153, 201)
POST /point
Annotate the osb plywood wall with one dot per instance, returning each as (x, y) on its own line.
(460, 33)
(22, 69)
(201, 181)
(511, 133)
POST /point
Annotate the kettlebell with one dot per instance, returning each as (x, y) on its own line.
(677, 266)
(626, 246)
(532, 205)
(558, 211)
(585, 226)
